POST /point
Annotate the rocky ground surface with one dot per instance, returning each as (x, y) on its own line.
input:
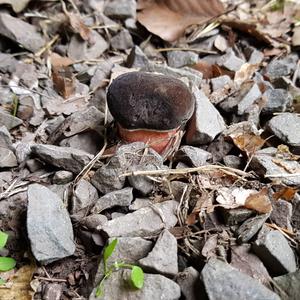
(217, 219)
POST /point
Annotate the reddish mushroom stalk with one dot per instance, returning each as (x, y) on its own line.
(149, 108)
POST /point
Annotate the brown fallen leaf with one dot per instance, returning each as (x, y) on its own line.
(169, 18)
(79, 27)
(248, 142)
(259, 201)
(58, 61)
(63, 81)
(18, 287)
(286, 193)
(208, 70)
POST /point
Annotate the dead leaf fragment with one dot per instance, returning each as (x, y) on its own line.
(19, 285)
(259, 201)
(17, 5)
(248, 142)
(63, 81)
(169, 18)
(79, 27)
(58, 61)
(286, 193)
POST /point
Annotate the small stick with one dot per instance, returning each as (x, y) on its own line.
(50, 279)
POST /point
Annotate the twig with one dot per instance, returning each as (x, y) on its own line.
(47, 46)
(187, 49)
(50, 279)
(282, 175)
(160, 172)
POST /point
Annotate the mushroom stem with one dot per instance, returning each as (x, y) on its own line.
(157, 140)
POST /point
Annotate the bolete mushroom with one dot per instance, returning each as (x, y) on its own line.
(150, 108)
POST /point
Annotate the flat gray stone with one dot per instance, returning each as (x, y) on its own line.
(263, 164)
(49, 226)
(286, 127)
(122, 40)
(282, 214)
(248, 99)
(178, 59)
(120, 9)
(5, 138)
(289, 284)
(155, 287)
(62, 177)
(281, 67)
(275, 252)
(230, 61)
(7, 158)
(163, 257)
(220, 82)
(189, 282)
(193, 156)
(66, 158)
(278, 100)
(93, 221)
(224, 282)
(140, 203)
(137, 58)
(143, 222)
(206, 122)
(21, 32)
(9, 121)
(251, 227)
(85, 195)
(122, 197)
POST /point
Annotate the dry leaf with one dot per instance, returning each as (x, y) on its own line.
(285, 193)
(17, 5)
(296, 37)
(259, 201)
(248, 142)
(79, 27)
(19, 285)
(208, 70)
(169, 18)
(58, 61)
(244, 73)
(63, 81)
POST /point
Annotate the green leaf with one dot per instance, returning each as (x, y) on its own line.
(137, 277)
(109, 249)
(7, 263)
(3, 239)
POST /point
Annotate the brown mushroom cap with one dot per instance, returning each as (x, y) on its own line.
(139, 100)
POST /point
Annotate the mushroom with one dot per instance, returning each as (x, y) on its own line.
(150, 108)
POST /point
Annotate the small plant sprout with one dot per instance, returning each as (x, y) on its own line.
(136, 275)
(6, 263)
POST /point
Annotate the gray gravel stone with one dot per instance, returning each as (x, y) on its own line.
(129, 157)
(275, 252)
(248, 99)
(224, 282)
(121, 9)
(93, 221)
(220, 82)
(62, 177)
(286, 127)
(263, 164)
(230, 61)
(188, 281)
(278, 100)
(163, 257)
(14, 29)
(282, 214)
(281, 67)
(256, 57)
(233, 161)
(85, 195)
(122, 40)
(204, 127)
(139, 203)
(155, 287)
(250, 227)
(7, 158)
(69, 159)
(122, 197)
(178, 59)
(289, 284)
(5, 138)
(48, 225)
(143, 222)
(193, 156)
(137, 58)
(236, 216)
(8, 120)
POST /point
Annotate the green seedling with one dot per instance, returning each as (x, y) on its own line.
(136, 275)
(6, 263)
